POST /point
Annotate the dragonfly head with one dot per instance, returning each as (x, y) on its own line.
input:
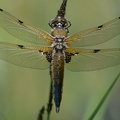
(60, 22)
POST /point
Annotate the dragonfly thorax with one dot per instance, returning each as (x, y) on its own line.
(59, 32)
(59, 44)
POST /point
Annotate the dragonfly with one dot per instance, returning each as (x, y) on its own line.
(58, 50)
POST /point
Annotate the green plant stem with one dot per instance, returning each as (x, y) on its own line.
(49, 106)
(40, 116)
(103, 99)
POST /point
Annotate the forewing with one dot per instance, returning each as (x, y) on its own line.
(95, 35)
(25, 56)
(23, 31)
(89, 60)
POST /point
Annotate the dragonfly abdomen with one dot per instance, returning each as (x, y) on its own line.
(57, 76)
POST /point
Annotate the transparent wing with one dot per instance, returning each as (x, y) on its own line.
(88, 59)
(23, 31)
(95, 35)
(30, 57)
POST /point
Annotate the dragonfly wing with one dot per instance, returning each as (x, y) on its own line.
(88, 59)
(30, 57)
(96, 35)
(23, 31)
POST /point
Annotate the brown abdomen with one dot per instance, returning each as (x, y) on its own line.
(57, 75)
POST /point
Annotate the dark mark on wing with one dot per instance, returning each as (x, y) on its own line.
(1, 9)
(99, 27)
(21, 22)
(96, 51)
(21, 46)
(40, 51)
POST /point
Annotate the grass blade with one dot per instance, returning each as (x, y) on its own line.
(104, 98)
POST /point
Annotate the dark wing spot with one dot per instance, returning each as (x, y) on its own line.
(99, 27)
(1, 9)
(96, 51)
(21, 22)
(119, 17)
(21, 46)
(75, 54)
(40, 51)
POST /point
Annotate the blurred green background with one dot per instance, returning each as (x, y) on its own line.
(24, 91)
